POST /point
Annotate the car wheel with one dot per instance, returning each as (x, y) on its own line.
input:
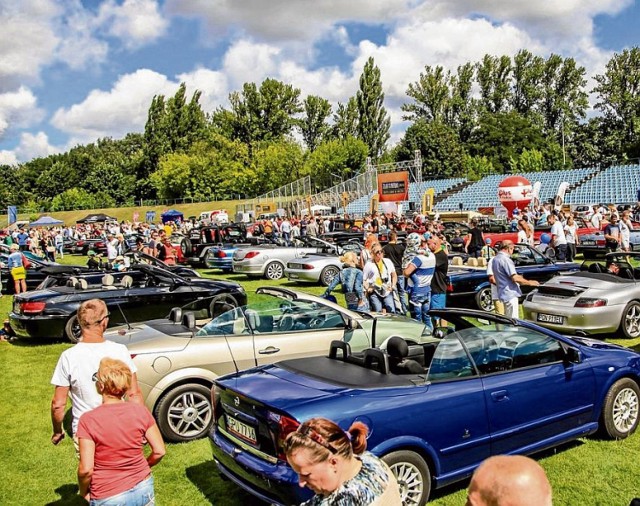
(620, 410)
(328, 273)
(216, 307)
(72, 329)
(484, 300)
(630, 322)
(274, 271)
(185, 413)
(413, 475)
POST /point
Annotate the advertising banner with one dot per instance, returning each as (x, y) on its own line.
(393, 186)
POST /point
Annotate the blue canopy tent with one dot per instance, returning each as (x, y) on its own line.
(46, 221)
(171, 215)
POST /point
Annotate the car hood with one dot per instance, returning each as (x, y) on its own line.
(155, 336)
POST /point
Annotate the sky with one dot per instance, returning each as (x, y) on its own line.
(74, 71)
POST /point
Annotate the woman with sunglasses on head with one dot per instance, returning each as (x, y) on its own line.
(333, 463)
(379, 278)
(112, 468)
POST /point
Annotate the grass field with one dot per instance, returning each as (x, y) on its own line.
(587, 472)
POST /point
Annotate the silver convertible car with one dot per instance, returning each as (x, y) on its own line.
(602, 297)
(319, 267)
(270, 260)
(179, 357)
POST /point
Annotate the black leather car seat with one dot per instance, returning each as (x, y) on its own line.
(398, 350)
(595, 267)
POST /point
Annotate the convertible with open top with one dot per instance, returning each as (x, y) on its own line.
(141, 293)
(179, 357)
(482, 386)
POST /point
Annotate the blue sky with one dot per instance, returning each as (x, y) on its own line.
(73, 71)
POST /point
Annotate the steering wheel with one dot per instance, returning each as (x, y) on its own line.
(316, 322)
(285, 308)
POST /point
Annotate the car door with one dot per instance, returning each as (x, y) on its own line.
(454, 418)
(301, 329)
(533, 395)
(152, 296)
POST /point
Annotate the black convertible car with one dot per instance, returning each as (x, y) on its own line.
(144, 292)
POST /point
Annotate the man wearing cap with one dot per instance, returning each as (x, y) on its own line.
(76, 368)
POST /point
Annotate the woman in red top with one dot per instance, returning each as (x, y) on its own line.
(112, 468)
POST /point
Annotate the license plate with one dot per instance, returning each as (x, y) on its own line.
(550, 318)
(293, 276)
(588, 243)
(243, 430)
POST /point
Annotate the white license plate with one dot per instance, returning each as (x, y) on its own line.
(550, 318)
(588, 243)
(243, 430)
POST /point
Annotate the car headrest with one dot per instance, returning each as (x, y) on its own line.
(189, 320)
(108, 280)
(72, 281)
(253, 318)
(595, 267)
(397, 347)
(472, 262)
(456, 261)
(176, 315)
(126, 281)
(482, 262)
(81, 284)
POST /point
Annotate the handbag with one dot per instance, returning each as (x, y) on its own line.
(351, 298)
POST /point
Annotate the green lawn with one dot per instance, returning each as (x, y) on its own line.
(587, 472)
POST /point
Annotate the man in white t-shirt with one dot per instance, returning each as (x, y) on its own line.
(558, 238)
(74, 375)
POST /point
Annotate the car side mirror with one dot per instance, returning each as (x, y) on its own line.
(353, 324)
(572, 355)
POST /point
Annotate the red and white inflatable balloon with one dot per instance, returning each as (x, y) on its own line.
(514, 191)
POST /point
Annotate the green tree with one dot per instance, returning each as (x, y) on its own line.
(373, 120)
(439, 145)
(502, 137)
(431, 96)
(618, 92)
(345, 120)
(476, 167)
(313, 125)
(494, 79)
(55, 180)
(564, 101)
(462, 111)
(277, 163)
(78, 198)
(528, 71)
(344, 157)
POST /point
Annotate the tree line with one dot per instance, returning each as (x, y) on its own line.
(497, 115)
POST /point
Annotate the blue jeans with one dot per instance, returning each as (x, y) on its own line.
(140, 495)
(419, 304)
(438, 301)
(402, 293)
(377, 303)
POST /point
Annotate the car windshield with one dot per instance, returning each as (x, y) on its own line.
(269, 313)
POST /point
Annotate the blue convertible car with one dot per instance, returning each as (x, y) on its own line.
(485, 385)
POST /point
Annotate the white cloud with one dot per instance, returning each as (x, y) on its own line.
(115, 112)
(285, 20)
(28, 39)
(8, 157)
(30, 146)
(135, 22)
(18, 109)
(213, 85)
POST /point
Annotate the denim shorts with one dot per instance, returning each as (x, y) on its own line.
(140, 495)
(438, 300)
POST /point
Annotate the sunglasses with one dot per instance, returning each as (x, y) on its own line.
(377, 251)
(103, 318)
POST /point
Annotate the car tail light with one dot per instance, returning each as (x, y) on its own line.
(286, 426)
(307, 267)
(590, 302)
(30, 308)
(220, 254)
(450, 288)
(100, 244)
(252, 254)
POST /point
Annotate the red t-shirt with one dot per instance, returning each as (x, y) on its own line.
(117, 431)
